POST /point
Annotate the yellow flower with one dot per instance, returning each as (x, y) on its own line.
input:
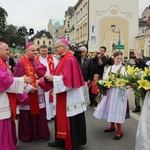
(143, 84)
(147, 71)
(121, 82)
(148, 86)
(130, 70)
(137, 69)
(101, 82)
(108, 83)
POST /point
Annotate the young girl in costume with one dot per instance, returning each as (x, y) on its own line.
(113, 106)
(94, 88)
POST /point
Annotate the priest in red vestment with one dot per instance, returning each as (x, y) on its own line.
(32, 118)
(69, 103)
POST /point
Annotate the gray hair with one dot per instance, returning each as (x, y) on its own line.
(83, 48)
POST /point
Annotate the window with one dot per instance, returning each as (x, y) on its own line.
(49, 42)
(38, 42)
(68, 37)
(43, 42)
(68, 24)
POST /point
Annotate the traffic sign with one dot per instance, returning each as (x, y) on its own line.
(119, 46)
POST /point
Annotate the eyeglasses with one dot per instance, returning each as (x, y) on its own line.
(82, 51)
(57, 47)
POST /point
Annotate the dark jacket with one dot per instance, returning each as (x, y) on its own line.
(85, 68)
(140, 63)
(11, 63)
(96, 68)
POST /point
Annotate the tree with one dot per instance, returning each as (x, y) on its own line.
(11, 36)
(3, 23)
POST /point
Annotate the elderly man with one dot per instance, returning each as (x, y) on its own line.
(50, 62)
(67, 82)
(85, 65)
(8, 86)
(32, 113)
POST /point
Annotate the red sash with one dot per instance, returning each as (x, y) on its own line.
(33, 98)
(11, 96)
(50, 62)
(61, 117)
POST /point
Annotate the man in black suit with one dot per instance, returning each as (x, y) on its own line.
(11, 62)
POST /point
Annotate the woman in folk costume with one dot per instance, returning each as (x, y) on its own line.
(9, 85)
(113, 106)
(143, 130)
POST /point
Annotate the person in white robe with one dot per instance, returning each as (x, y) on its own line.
(143, 130)
(50, 62)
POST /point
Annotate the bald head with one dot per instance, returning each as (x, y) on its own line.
(4, 51)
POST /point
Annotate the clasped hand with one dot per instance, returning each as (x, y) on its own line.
(49, 78)
(27, 79)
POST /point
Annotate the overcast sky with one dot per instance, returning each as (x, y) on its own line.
(37, 13)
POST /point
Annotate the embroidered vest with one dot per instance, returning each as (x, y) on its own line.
(33, 98)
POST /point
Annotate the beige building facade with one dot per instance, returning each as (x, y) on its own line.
(43, 38)
(61, 32)
(113, 25)
(82, 23)
(93, 22)
(143, 40)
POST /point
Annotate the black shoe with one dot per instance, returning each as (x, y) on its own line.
(55, 144)
(90, 104)
(29, 141)
(109, 130)
(118, 136)
(136, 110)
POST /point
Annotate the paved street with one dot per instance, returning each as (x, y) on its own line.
(96, 138)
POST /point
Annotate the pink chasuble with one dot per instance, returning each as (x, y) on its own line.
(8, 138)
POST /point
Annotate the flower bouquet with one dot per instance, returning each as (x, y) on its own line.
(102, 88)
(144, 82)
(133, 75)
(113, 80)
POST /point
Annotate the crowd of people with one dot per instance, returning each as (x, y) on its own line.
(37, 88)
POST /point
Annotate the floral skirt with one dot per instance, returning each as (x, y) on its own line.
(113, 106)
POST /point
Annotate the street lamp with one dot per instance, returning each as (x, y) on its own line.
(113, 29)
